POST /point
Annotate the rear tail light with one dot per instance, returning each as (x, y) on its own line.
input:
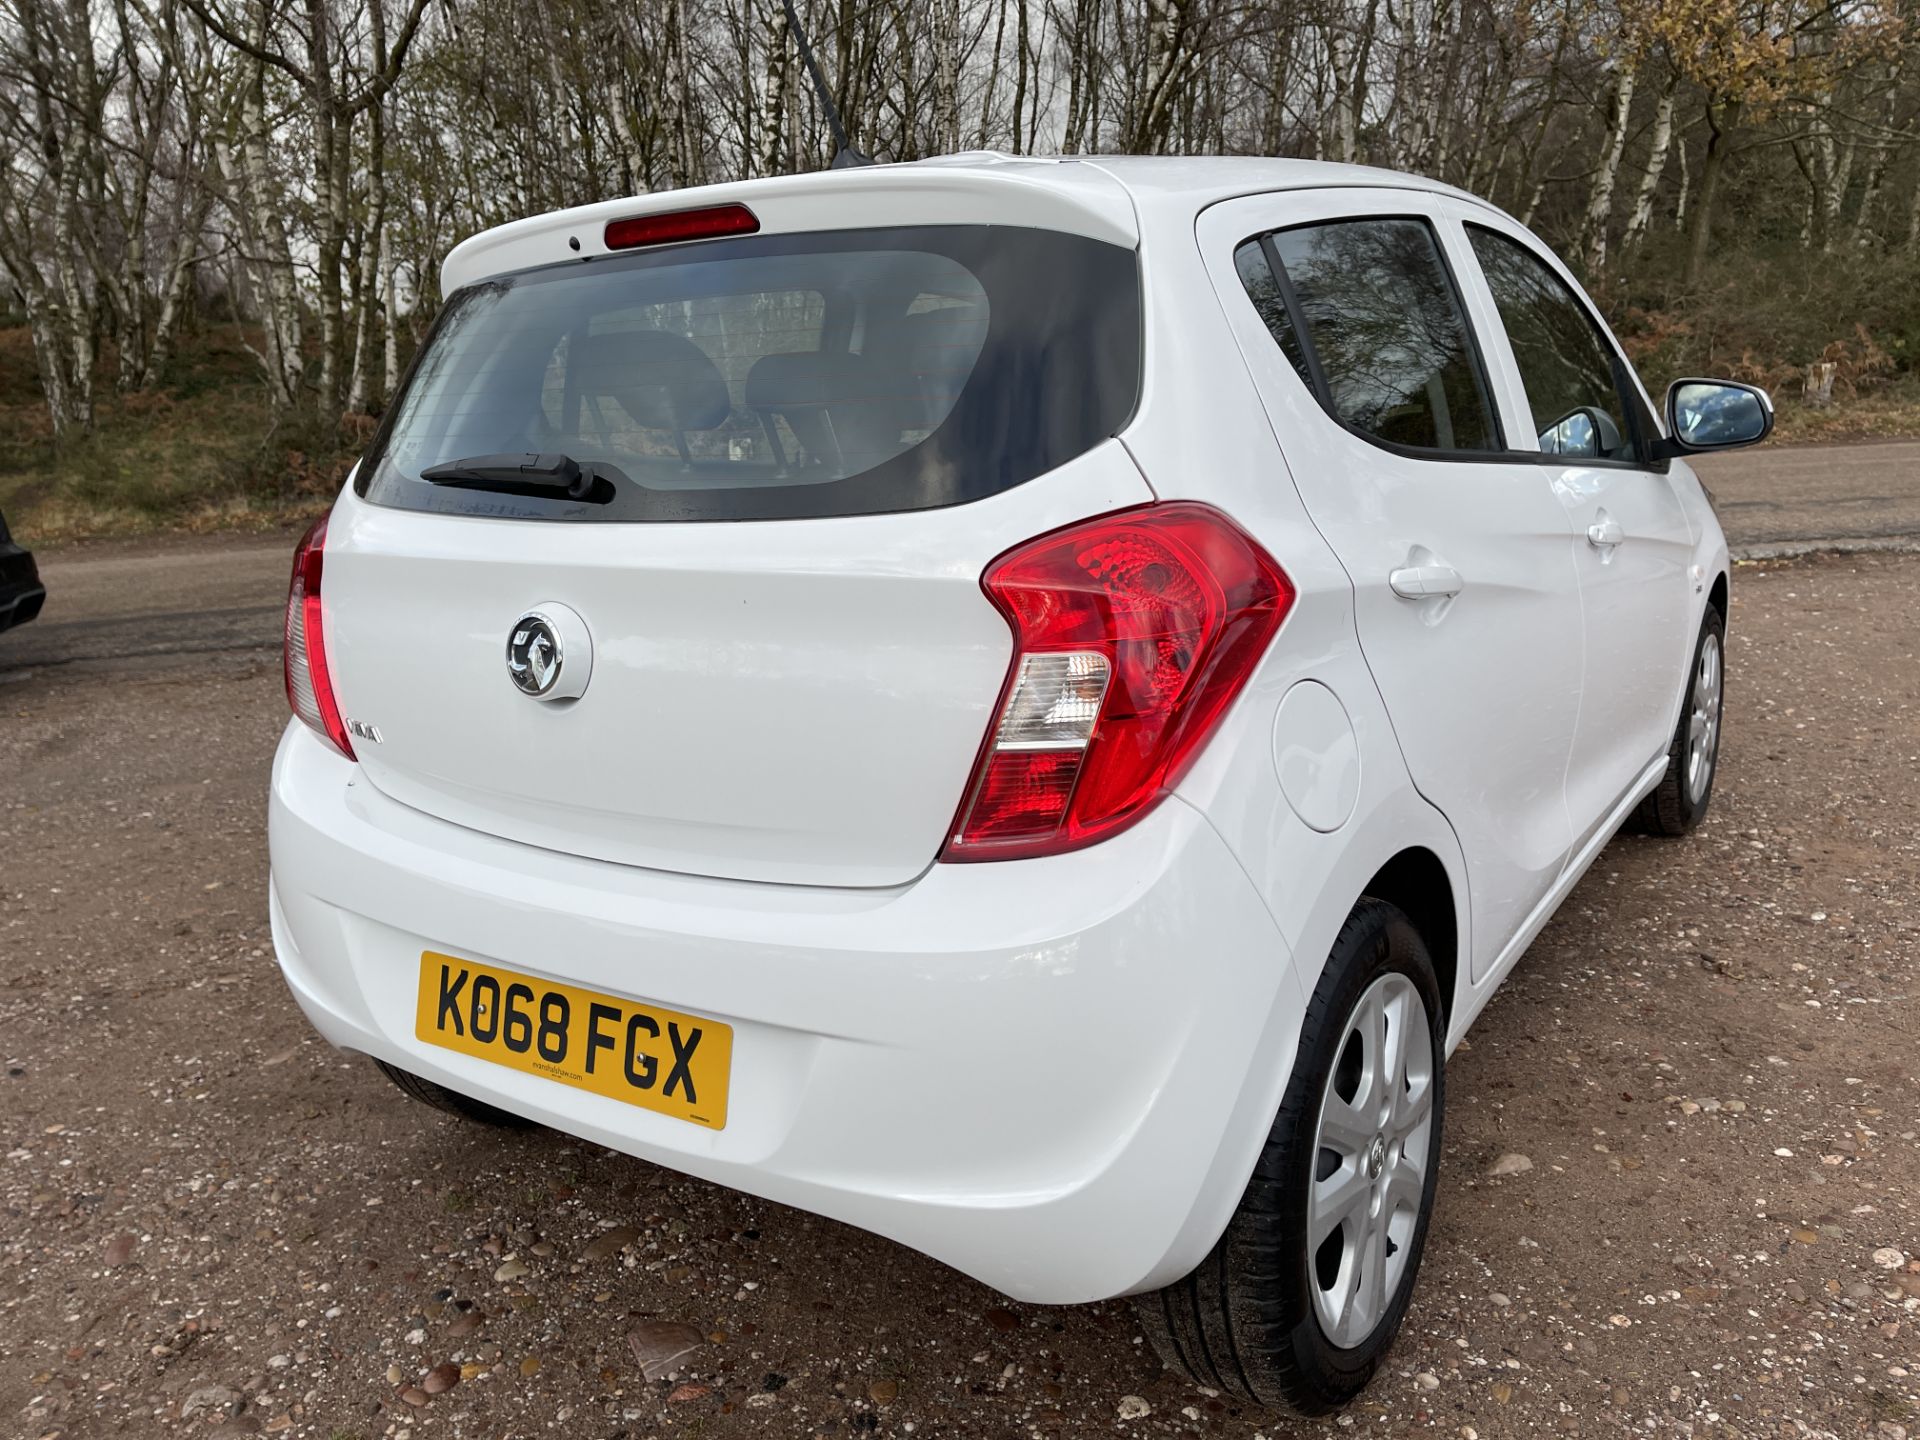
(309, 684)
(707, 223)
(1133, 633)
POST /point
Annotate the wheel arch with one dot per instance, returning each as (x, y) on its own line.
(1717, 596)
(1417, 883)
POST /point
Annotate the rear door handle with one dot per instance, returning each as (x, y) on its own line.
(1605, 533)
(1424, 582)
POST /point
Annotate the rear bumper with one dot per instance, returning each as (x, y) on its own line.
(21, 593)
(1051, 1074)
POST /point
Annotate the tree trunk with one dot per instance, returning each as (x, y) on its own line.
(1863, 231)
(1168, 39)
(332, 179)
(911, 36)
(1836, 196)
(1019, 74)
(58, 128)
(773, 149)
(1082, 78)
(1095, 91)
(1531, 155)
(946, 76)
(1660, 142)
(993, 77)
(360, 396)
(682, 154)
(73, 316)
(1719, 128)
(178, 291)
(612, 40)
(1600, 205)
(1348, 97)
(390, 348)
(1278, 70)
(1686, 181)
(50, 355)
(1813, 216)
(268, 259)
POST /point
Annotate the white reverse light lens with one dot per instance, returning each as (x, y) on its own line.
(1055, 702)
(299, 673)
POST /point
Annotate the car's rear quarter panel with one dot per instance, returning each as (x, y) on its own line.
(1202, 432)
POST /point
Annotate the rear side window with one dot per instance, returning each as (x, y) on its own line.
(774, 377)
(1572, 377)
(1263, 288)
(1369, 314)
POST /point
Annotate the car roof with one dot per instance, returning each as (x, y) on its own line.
(1101, 196)
(1194, 182)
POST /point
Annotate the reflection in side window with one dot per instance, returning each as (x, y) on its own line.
(1564, 363)
(1383, 322)
(1264, 290)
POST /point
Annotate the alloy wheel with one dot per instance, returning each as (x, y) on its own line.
(1372, 1151)
(1703, 723)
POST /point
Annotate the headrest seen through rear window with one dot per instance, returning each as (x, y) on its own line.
(662, 380)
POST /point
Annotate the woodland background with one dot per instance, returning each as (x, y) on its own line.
(221, 220)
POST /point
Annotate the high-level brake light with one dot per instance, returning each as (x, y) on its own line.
(707, 223)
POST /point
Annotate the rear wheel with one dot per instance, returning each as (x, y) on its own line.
(451, 1101)
(1305, 1291)
(1679, 802)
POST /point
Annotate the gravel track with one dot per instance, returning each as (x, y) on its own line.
(209, 1221)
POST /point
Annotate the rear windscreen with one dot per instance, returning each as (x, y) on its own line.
(771, 377)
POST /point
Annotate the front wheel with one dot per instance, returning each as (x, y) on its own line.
(1305, 1291)
(1679, 802)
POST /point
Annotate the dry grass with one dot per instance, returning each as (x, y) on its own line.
(1889, 412)
(201, 452)
(1767, 314)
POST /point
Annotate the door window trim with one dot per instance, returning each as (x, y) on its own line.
(1482, 371)
(1310, 352)
(1633, 405)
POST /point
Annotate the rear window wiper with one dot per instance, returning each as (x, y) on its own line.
(526, 473)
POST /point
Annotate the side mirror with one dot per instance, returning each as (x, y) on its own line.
(1715, 415)
(1582, 431)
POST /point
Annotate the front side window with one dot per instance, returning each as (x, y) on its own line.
(1570, 373)
(1380, 328)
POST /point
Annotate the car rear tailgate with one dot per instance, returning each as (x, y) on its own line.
(793, 701)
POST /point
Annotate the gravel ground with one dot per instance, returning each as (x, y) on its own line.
(209, 1219)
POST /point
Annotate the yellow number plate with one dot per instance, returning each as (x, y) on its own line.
(657, 1059)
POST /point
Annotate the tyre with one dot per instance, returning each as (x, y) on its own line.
(451, 1101)
(1305, 1291)
(1679, 802)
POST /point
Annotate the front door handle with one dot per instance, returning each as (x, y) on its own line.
(1605, 532)
(1424, 582)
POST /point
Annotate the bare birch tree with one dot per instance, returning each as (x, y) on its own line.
(313, 160)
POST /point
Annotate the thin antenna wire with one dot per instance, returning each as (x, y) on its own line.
(844, 155)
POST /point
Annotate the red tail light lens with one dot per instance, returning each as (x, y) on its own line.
(708, 223)
(309, 685)
(1133, 633)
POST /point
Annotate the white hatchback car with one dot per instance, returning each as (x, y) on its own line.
(1091, 670)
